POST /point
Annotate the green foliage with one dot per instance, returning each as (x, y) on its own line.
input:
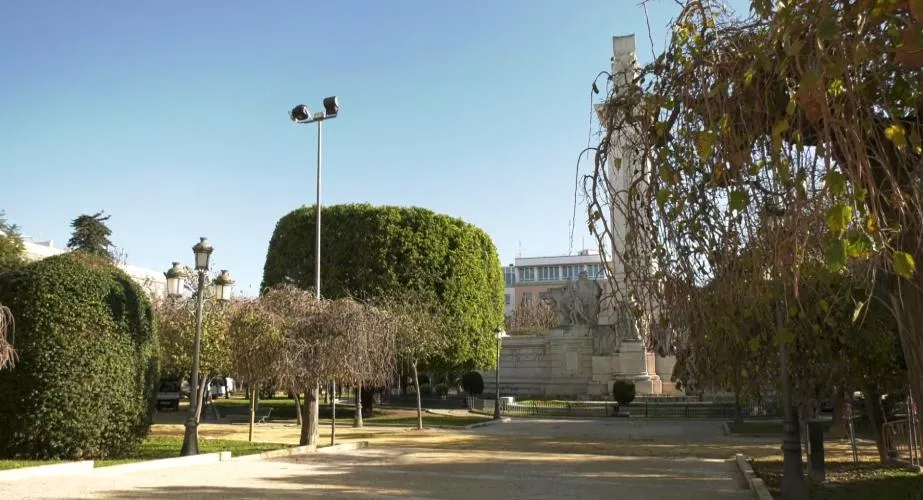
(387, 252)
(426, 390)
(12, 250)
(424, 379)
(91, 235)
(442, 390)
(473, 383)
(85, 382)
(623, 392)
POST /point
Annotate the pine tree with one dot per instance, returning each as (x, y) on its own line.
(91, 235)
(12, 251)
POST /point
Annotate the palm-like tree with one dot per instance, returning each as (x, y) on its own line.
(7, 353)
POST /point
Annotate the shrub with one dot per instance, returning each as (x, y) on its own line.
(442, 390)
(623, 392)
(424, 379)
(473, 383)
(85, 383)
(388, 252)
(426, 390)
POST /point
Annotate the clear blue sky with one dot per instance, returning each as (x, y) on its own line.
(172, 116)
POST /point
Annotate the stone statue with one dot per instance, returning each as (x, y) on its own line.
(577, 303)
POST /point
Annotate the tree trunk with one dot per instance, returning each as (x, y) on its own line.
(297, 406)
(873, 409)
(738, 413)
(838, 427)
(200, 397)
(333, 415)
(907, 300)
(416, 385)
(309, 427)
(252, 411)
(357, 420)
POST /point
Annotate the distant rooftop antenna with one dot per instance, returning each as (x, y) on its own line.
(519, 251)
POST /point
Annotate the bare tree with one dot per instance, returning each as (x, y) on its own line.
(420, 335)
(531, 317)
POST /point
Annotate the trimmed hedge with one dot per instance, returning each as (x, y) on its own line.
(623, 392)
(473, 383)
(85, 383)
(376, 252)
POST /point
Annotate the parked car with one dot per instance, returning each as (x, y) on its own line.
(168, 395)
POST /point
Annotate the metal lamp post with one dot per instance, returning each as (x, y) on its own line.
(793, 483)
(301, 114)
(222, 291)
(500, 334)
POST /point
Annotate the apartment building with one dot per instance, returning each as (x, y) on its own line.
(529, 277)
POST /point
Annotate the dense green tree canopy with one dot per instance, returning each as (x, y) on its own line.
(84, 384)
(91, 235)
(11, 247)
(377, 252)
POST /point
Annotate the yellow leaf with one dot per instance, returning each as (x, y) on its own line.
(895, 133)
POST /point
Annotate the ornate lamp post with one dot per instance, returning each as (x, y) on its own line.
(793, 483)
(222, 292)
(499, 334)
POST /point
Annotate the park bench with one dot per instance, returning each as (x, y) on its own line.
(263, 416)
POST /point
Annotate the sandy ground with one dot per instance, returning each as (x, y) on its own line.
(535, 459)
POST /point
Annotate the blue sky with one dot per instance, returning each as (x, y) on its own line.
(172, 116)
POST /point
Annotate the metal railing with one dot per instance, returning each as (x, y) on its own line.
(901, 437)
(643, 407)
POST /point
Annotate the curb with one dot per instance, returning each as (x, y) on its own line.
(337, 448)
(64, 469)
(757, 486)
(284, 452)
(165, 463)
(504, 420)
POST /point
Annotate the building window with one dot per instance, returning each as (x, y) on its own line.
(509, 275)
(596, 271)
(527, 274)
(571, 272)
(548, 273)
(507, 299)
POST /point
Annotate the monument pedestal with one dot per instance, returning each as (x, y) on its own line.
(633, 363)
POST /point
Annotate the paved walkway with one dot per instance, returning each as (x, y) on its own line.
(544, 459)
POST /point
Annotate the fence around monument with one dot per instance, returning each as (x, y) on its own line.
(663, 407)
(902, 440)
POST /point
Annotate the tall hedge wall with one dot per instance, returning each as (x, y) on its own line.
(85, 382)
(380, 251)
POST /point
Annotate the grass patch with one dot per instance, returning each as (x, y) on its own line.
(428, 419)
(157, 447)
(18, 464)
(847, 481)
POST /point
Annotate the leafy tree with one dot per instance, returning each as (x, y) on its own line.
(86, 378)
(807, 112)
(255, 338)
(177, 326)
(91, 235)
(385, 252)
(12, 250)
